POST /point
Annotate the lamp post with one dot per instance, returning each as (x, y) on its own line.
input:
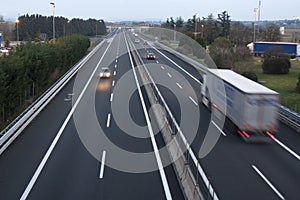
(174, 33)
(195, 34)
(53, 7)
(295, 18)
(96, 28)
(254, 25)
(65, 27)
(17, 22)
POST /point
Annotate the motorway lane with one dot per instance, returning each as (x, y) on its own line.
(230, 164)
(19, 161)
(72, 173)
(285, 134)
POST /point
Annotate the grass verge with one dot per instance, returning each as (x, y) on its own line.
(284, 84)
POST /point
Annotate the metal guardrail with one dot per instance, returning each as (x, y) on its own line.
(289, 117)
(12, 131)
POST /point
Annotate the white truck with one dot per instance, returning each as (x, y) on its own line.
(250, 107)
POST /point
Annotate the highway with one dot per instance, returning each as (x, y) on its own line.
(237, 170)
(96, 140)
(50, 161)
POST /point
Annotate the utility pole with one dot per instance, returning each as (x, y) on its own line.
(196, 20)
(17, 23)
(259, 8)
(53, 7)
(296, 18)
(258, 19)
(254, 25)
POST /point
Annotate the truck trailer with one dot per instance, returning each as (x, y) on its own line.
(249, 106)
(291, 49)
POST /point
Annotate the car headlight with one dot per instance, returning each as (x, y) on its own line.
(101, 74)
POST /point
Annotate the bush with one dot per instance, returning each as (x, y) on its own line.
(250, 75)
(222, 53)
(275, 62)
(298, 85)
(32, 67)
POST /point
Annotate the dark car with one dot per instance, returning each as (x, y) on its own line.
(151, 56)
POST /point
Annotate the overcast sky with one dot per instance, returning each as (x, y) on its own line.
(118, 10)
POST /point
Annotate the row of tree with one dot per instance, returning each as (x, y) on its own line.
(33, 27)
(227, 40)
(32, 68)
(209, 28)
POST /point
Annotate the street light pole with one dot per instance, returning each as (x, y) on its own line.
(53, 7)
(295, 18)
(65, 27)
(96, 28)
(254, 25)
(174, 32)
(17, 22)
(195, 34)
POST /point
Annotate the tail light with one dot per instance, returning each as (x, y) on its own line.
(270, 134)
(243, 134)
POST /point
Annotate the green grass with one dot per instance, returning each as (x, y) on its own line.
(284, 84)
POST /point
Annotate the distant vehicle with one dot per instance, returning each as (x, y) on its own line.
(3, 50)
(291, 49)
(151, 56)
(250, 107)
(9, 48)
(105, 72)
(137, 41)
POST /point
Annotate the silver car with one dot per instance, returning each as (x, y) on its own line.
(105, 72)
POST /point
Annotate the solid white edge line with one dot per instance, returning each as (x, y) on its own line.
(218, 128)
(111, 97)
(113, 83)
(154, 145)
(102, 165)
(169, 75)
(286, 148)
(193, 101)
(108, 120)
(54, 142)
(268, 182)
(179, 85)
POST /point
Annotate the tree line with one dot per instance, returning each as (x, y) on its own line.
(226, 40)
(38, 27)
(29, 70)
